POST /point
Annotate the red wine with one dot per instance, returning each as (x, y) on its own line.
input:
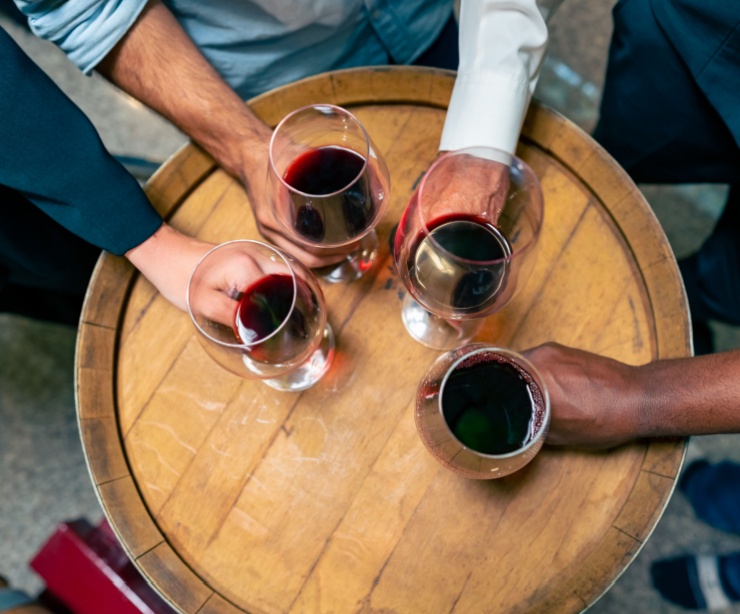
(491, 404)
(323, 171)
(469, 270)
(264, 306)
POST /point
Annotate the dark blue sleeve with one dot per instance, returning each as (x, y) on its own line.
(52, 154)
(706, 34)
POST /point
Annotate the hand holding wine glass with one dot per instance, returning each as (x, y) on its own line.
(261, 314)
(465, 243)
(328, 186)
(256, 183)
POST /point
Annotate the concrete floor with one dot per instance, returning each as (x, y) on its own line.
(43, 476)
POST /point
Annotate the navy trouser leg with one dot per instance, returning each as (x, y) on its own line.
(731, 568)
(661, 128)
(714, 493)
(712, 274)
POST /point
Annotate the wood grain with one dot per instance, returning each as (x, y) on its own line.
(232, 497)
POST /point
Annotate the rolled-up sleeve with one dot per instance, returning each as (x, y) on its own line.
(502, 45)
(86, 30)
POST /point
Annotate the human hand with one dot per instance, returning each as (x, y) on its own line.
(594, 400)
(168, 258)
(467, 184)
(225, 275)
(254, 176)
(188, 91)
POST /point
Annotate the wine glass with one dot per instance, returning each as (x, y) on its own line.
(466, 243)
(328, 186)
(260, 314)
(482, 411)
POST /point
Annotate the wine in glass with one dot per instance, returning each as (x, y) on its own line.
(328, 186)
(466, 243)
(261, 314)
(482, 411)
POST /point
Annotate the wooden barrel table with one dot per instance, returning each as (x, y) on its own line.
(233, 497)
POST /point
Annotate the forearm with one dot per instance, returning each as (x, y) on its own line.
(157, 63)
(696, 396)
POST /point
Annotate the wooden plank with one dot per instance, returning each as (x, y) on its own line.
(96, 347)
(661, 457)
(96, 394)
(576, 592)
(479, 566)
(95, 358)
(359, 546)
(275, 105)
(543, 126)
(160, 449)
(645, 505)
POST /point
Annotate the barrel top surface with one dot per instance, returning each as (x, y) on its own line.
(233, 497)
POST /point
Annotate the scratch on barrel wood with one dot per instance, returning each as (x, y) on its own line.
(160, 458)
(167, 428)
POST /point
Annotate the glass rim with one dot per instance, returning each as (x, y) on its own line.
(478, 348)
(263, 339)
(340, 111)
(514, 254)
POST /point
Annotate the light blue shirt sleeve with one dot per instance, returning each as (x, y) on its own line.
(255, 45)
(86, 30)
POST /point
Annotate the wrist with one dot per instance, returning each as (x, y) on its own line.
(643, 403)
(626, 412)
(167, 260)
(240, 145)
(637, 423)
(147, 249)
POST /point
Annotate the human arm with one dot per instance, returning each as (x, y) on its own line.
(53, 155)
(156, 62)
(601, 403)
(140, 47)
(502, 45)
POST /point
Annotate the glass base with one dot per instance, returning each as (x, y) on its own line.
(436, 332)
(310, 371)
(355, 265)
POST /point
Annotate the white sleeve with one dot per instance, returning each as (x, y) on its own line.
(86, 30)
(502, 44)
